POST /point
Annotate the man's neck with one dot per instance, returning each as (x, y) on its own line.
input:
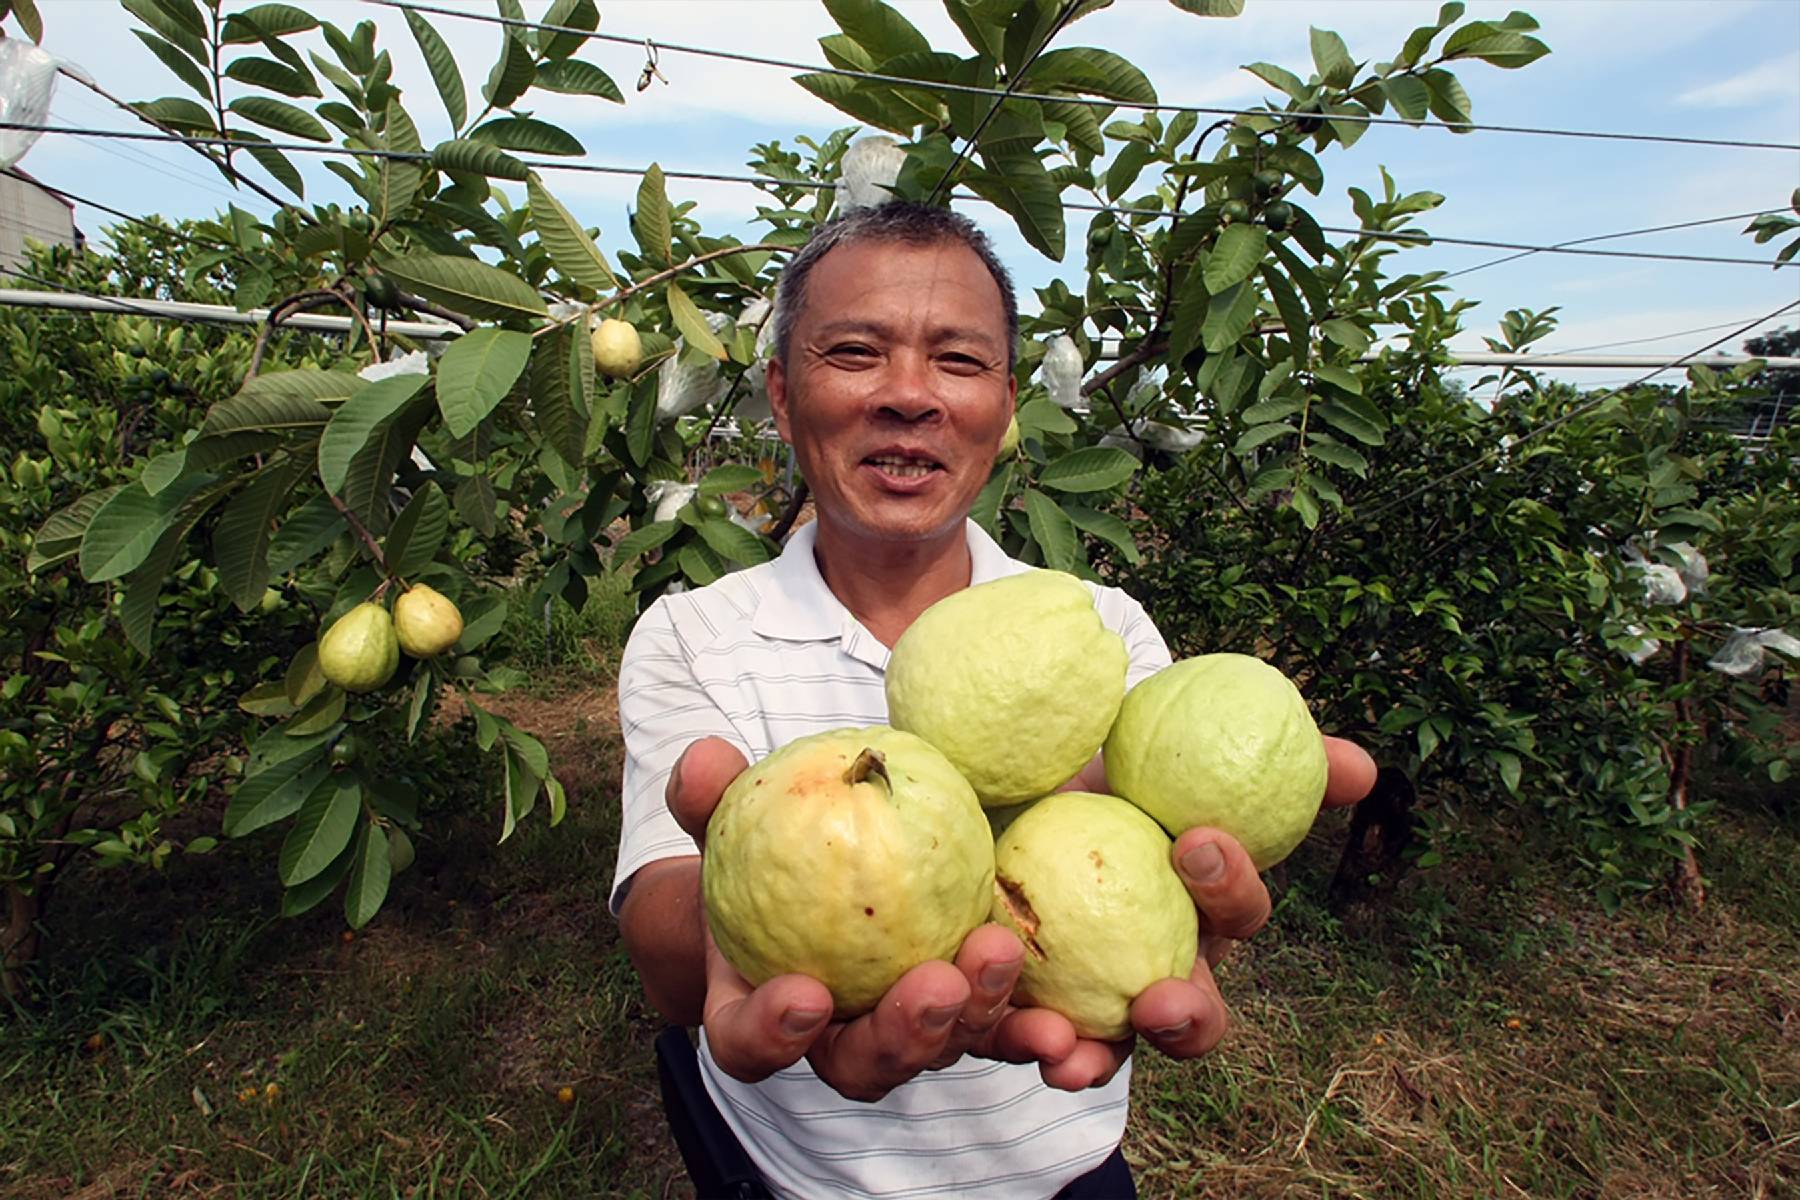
(887, 585)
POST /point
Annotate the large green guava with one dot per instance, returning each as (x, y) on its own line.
(1086, 883)
(1016, 680)
(360, 652)
(1223, 740)
(850, 856)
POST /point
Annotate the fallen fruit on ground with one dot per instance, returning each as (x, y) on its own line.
(359, 652)
(426, 621)
(617, 351)
(1086, 883)
(850, 856)
(1223, 740)
(1016, 680)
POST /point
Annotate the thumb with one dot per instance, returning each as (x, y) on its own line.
(699, 779)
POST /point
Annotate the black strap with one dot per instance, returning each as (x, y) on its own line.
(715, 1160)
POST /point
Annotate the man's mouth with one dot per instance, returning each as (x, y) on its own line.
(903, 466)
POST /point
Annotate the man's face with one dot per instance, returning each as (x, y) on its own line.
(895, 392)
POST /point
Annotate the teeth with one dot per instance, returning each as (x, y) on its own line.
(906, 468)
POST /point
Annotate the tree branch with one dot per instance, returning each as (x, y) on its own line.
(790, 516)
(420, 304)
(297, 303)
(362, 531)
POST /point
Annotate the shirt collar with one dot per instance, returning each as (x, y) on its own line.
(800, 608)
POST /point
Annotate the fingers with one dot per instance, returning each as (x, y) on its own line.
(990, 960)
(1030, 1035)
(1184, 1018)
(1225, 886)
(1349, 772)
(754, 1032)
(1089, 1064)
(869, 1057)
(699, 779)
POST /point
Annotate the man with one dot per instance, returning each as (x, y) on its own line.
(892, 381)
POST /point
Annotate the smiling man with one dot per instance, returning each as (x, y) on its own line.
(893, 383)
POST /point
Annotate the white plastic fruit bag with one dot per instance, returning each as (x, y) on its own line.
(27, 78)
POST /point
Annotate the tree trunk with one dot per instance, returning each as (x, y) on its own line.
(18, 941)
(1381, 828)
(1686, 882)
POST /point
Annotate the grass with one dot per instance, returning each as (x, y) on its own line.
(1486, 1032)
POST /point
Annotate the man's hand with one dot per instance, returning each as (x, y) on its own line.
(928, 1018)
(1184, 1018)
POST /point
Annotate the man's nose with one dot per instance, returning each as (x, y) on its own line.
(910, 389)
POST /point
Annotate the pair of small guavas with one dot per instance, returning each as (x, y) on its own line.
(361, 650)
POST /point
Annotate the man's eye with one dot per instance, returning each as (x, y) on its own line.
(963, 362)
(851, 350)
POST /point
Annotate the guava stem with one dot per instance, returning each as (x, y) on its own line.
(870, 762)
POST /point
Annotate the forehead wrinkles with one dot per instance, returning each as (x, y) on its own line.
(942, 289)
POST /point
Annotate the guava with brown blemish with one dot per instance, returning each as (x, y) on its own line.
(1086, 883)
(851, 857)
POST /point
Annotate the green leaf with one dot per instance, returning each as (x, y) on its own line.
(397, 180)
(568, 244)
(421, 700)
(1272, 410)
(1449, 102)
(177, 113)
(1279, 77)
(694, 329)
(1211, 8)
(276, 792)
(303, 680)
(1510, 768)
(571, 14)
(732, 477)
(1409, 96)
(1339, 377)
(1229, 315)
(986, 510)
(1347, 334)
(1293, 313)
(143, 586)
(281, 117)
(651, 224)
(642, 540)
(562, 425)
(1043, 414)
(272, 20)
(442, 64)
(1347, 420)
(523, 133)
(1089, 469)
(25, 12)
(475, 501)
(274, 76)
(477, 158)
(357, 419)
(319, 714)
(125, 529)
(877, 28)
(733, 541)
(370, 872)
(173, 24)
(470, 287)
(1088, 71)
(1338, 455)
(1053, 531)
(573, 77)
(180, 64)
(296, 901)
(1106, 527)
(1235, 257)
(521, 790)
(273, 161)
(324, 826)
(1332, 59)
(1021, 187)
(476, 373)
(312, 527)
(267, 411)
(417, 532)
(241, 538)
(1261, 434)
(512, 72)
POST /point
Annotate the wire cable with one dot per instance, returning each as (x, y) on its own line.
(121, 301)
(1579, 410)
(116, 212)
(1411, 237)
(1661, 337)
(931, 85)
(1605, 237)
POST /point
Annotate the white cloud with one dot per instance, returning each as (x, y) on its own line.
(1777, 79)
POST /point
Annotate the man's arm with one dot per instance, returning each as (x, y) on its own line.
(663, 924)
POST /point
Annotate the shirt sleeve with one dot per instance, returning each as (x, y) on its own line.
(1146, 651)
(663, 708)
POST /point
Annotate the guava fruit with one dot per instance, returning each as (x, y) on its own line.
(1016, 680)
(1086, 883)
(426, 621)
(1223, 740)
(359, 652)
(850, 856)
(1010, 442)
(617, 350)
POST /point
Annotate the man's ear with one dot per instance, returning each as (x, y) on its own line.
(775, 380)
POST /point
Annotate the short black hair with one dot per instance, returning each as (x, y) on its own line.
(907, 221)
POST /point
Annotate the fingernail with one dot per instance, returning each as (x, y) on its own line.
(1204, 863)
(797, 1021)
(997, 976)
(936, 1020)
(1174, 1031)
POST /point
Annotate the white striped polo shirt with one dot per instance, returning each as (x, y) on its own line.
(760, 658)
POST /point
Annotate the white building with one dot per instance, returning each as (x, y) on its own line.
(29, 211)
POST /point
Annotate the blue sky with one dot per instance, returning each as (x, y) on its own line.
(1721, 69)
